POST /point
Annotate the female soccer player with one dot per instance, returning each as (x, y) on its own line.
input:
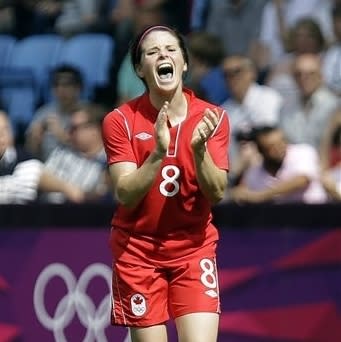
(168, 160)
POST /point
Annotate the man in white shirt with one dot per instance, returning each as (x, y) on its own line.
(304, 122)
(287, 173)
(22, 177)
(249, 106)
(279, 16)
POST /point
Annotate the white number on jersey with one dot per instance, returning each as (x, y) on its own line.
(170, 174)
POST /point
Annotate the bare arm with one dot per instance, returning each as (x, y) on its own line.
(286, 187)
(34, 138)
(243, 194)
(48, 182)
(326, 140)
(330, 186)
(212, 180)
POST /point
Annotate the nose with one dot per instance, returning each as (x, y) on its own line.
(163, 53)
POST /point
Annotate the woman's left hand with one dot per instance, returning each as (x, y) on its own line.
(205, 128)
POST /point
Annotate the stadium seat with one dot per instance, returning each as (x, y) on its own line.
(25, 74)
(39, 53)
(6, 46)
(92, 54)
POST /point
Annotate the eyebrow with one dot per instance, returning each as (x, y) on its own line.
(158, 48)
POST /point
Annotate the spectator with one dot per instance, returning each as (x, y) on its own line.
(287, 172)
(236, 22)
(303, 123)
(199, 13)
(206, 77)
(78, 16)
(48, 128)
(332, 59)
(330, 146)
(279, 16)
(250, 105)
(83, 161)
(22, 177)
(22, 18)
(305, 37)
(331, 181)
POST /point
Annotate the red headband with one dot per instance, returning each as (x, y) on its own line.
(150, 29)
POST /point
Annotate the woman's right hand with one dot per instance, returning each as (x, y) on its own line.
(162, 134)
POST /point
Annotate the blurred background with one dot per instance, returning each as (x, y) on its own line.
(274, 66)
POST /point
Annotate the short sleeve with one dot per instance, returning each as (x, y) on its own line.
(305, 161)
(218, 144)
(117, 138)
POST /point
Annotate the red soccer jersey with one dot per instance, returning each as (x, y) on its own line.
(174, 202)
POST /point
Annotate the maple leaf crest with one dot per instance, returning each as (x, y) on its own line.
(138, 300)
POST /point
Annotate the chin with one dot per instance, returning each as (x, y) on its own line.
(166, 89)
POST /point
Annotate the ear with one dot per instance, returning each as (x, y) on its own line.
(185, 67)
(139, 71)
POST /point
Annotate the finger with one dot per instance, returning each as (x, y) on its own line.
(162, 117)
(202, 134)
(210, 125)
(213, 115)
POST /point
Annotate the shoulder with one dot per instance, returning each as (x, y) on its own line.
(46, 108)
(124, 111)
(265, 91)
(253, 174)
(302, 151)
(324, 94)
(197, 104)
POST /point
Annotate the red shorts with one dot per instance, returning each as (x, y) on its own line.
(149, 286)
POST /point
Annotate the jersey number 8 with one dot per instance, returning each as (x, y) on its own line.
(170, 186)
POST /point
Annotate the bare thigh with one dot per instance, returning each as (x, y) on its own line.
(149, 334)
(198, 327)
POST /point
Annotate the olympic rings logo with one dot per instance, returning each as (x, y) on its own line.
(76, 301)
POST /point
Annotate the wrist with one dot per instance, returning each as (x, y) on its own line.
(158, 154)
(199, 150)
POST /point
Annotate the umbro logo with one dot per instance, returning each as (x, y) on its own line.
(143, 136)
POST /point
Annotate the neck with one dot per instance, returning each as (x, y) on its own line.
(272, 166)
(177, 109)
(240, 96)
(69, 107)
(93, 150)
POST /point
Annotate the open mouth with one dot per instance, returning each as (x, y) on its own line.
(165, 71)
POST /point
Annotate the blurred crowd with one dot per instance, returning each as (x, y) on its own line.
(273, 65)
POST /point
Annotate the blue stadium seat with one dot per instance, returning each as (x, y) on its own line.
(6, 46)
(25, 75)
(92, 54)
(39, 53)
(7, 43)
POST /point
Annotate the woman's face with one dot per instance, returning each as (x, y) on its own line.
(162, 63)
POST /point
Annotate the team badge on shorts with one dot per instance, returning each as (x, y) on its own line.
(138, 304)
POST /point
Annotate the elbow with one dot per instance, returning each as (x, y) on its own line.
(125, 199)
(303, 182)
(217, 195)
(215, 200)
